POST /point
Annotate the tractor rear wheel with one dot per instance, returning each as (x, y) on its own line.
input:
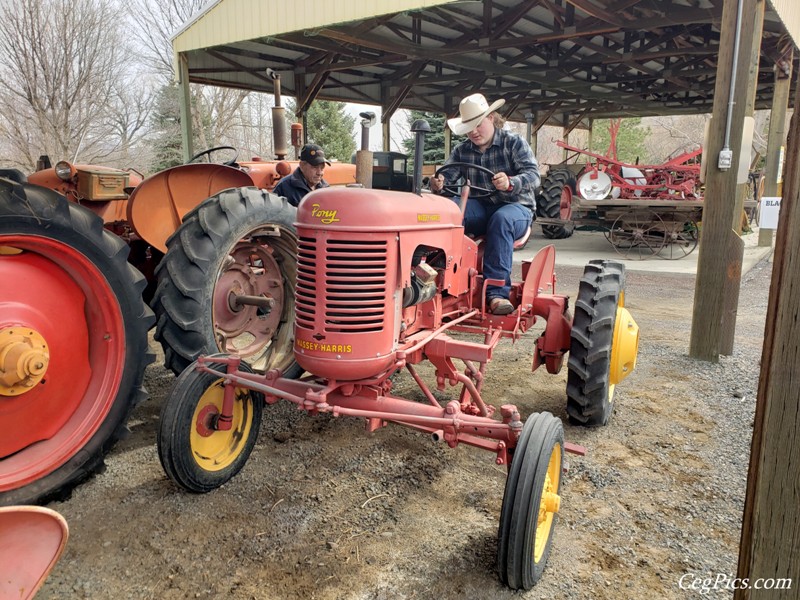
(194, 452)
(226, 283)
(73, 343)
(531, 502)
(555, 202)
(602, 351)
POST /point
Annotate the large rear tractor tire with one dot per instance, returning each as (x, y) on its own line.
(195, 453)
(604, 344)
(226, 283)
(555, 202)
(73, 343)
(531, 502)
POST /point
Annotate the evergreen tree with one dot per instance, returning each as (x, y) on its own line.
(329, 126)
(167, 148)
(434, 141)
(630, 139)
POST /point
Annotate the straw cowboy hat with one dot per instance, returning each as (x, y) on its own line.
(473, 109)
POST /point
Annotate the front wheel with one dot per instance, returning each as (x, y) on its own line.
(531, 502)
(194, 451)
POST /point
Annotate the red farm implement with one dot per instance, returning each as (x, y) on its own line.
(644, 210)
(387, 281)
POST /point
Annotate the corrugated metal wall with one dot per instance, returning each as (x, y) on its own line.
(789, 12)
(231, 21)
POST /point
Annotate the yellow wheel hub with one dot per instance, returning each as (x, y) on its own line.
(215, 449)
(24, 357)
(624, 346)
(549, 503)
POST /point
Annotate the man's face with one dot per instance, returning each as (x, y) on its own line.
(483, 134)
(312, 173)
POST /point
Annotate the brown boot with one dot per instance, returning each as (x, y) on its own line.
(500, 306)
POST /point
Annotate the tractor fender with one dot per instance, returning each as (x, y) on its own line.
(539, 275)
(157, 206)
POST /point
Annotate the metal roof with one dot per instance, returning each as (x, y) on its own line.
(564, 61)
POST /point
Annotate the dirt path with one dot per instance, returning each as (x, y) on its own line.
(324, 510)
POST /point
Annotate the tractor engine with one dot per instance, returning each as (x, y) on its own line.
(373, 267)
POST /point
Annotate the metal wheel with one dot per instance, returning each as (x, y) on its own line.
(680, 237)
(555, 202)
(227, 281)
(531, 502)
(637, 235)
(194, 451)
(603, 346)
(73, 343)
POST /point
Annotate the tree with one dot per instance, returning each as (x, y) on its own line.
(630, 139)
(61, 82)
(215, 110)
(434, 141)
(329, 126)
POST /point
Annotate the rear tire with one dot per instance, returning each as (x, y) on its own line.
(240, 241)
(195, 455)
(529, 512)
(590, 393)
(85, 300)
(555, 202)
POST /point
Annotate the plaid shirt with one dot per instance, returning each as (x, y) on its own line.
(509, 154)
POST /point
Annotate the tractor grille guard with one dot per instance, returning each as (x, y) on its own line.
(349, 291)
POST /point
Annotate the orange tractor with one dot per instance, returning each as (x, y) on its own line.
(73, 312)
(383, 282)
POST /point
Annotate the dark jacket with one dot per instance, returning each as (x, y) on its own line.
(295, 187)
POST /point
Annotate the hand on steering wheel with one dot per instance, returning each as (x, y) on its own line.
(208, 152)
(463, 169)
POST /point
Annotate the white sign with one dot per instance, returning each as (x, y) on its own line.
(770, 209)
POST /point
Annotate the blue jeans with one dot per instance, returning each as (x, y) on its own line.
(501, 224)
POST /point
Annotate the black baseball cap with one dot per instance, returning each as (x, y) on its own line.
(313, 155)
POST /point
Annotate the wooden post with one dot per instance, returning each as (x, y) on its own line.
(714, 264)
(590, 137)
(777, 135)
(771, 520)
(186, 108)
(735, 246)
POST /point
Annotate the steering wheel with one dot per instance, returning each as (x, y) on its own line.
(463, 168)
(208, 153)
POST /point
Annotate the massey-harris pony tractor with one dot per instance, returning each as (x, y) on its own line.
(386, 281)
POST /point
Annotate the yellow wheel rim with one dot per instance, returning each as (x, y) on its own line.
(549, 503)
(214, 450)
(624, 346)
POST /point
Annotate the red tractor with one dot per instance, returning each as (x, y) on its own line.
(384, 282)
(73, 312)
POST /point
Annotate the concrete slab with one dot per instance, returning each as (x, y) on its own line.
(584, 246)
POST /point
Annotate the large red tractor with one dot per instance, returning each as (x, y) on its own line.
(384, 282)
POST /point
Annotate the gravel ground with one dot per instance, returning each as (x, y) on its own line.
(324, 510)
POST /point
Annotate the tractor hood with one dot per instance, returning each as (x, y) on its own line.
(358, 209)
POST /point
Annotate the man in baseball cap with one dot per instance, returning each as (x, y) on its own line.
(306, 177)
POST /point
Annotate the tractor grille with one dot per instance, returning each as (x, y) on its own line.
(341, 285)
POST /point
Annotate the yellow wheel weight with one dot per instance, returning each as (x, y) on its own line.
(213, 449)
